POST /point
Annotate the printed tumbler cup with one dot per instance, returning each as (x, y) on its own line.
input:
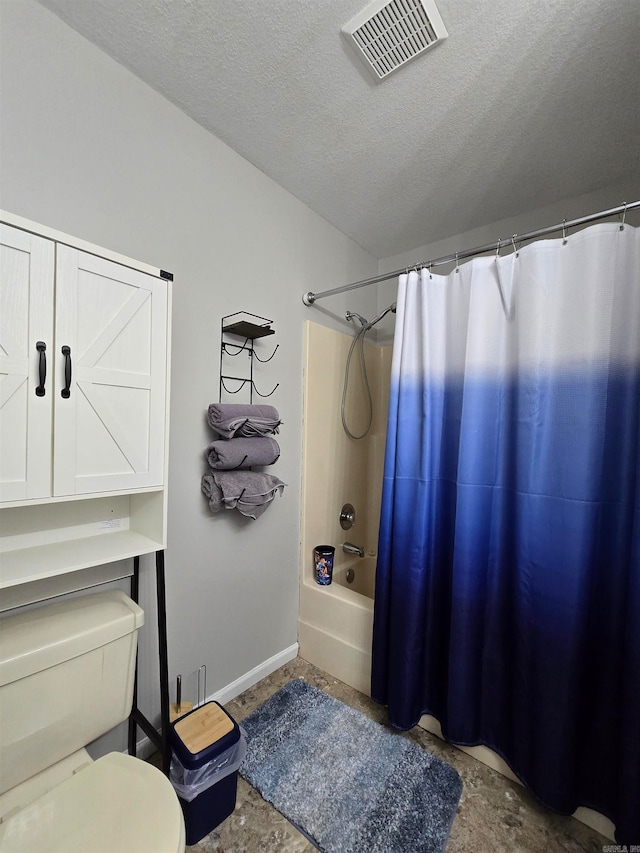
(323, 562)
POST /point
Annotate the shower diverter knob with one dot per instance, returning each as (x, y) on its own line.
(347, 516)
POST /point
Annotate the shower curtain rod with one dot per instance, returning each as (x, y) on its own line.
(309, 298)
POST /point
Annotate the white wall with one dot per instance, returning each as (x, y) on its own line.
(88, 149)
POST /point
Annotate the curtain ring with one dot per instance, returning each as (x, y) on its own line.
(430, 266)
(564, 232)
(457, 264)
(498, 248)
(513, 243)
(624, 213)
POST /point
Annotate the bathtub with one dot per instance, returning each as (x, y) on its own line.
(335, 627)
(336, 621)
(358, 575)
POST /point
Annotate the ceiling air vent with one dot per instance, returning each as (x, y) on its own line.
(388, 34)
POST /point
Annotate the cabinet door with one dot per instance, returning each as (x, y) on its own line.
(26, 322)
(111, 334)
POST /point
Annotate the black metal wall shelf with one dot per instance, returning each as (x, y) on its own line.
(239, 326)
(246, 329)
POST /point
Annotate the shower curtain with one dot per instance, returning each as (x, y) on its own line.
(508, 581)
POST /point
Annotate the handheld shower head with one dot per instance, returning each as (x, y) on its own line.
(366, 324)
(360, 335)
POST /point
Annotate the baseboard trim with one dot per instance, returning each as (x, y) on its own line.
(226, 694)
(144, 747)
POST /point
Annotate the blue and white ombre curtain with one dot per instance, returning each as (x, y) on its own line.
(508, 581)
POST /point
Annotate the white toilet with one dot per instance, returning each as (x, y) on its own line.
(66, 677)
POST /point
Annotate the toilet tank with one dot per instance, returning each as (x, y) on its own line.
(66, 677)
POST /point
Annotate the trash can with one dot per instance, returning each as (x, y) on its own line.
(208, 748)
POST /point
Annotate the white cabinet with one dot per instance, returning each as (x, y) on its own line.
(110, 332)
(26, 321)
(84, 349)
(105, 372)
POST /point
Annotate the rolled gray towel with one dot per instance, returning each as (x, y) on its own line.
(249, 492)
(216, 504)
(223, 411)
(231, 419)
(213, 493)
(250, 487)
(254, 510)
(207, 484)
(225, 455)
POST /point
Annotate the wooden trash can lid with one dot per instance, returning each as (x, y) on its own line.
(203, 727)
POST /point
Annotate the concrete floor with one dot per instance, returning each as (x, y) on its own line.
(495, 815)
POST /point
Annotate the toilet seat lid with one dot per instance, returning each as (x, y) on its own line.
(117, 804)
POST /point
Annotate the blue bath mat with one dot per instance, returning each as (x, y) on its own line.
(350, 785)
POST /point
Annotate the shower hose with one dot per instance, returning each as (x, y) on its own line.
(359, 337)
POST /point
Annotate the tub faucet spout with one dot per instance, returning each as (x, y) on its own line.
(348, 548)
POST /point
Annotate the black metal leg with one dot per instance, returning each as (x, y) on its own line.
(164, 668)
(135, 590)
(159, 739)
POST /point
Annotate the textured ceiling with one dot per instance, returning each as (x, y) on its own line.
(526, 103)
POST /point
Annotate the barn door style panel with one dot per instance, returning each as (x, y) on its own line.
(111, 338)
(26, 364)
